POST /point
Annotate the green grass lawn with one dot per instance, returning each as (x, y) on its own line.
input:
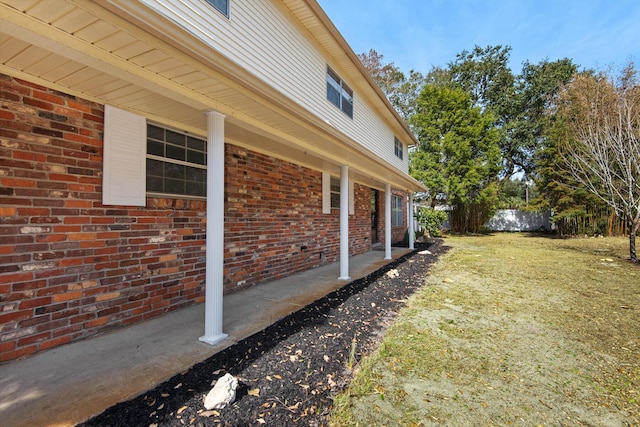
(510, 329)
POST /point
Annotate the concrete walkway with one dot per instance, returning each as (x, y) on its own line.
(69, 384)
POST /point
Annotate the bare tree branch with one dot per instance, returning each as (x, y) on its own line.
(603, 152)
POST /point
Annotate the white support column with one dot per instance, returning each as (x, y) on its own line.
(215, 230)
(344, 223)
(387, 221)
(412, 233)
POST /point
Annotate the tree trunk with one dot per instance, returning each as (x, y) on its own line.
(633, 230)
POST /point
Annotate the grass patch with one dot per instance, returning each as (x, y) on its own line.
(510, 328)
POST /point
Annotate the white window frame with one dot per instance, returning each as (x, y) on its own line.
(397, 217)
(327, 192)
(398, 148)
(168, 160)
(220, 8)
(344, 92)
(335, 193)
(124, 175)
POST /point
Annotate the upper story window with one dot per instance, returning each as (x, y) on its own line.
(398, 148)
(221, 5)
(176, 163)
(339, 93)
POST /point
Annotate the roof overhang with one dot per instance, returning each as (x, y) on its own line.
(135, 59)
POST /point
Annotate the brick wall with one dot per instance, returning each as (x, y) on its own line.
(397, 232)
(71, 267)
(274, 225)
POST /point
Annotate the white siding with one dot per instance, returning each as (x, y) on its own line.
(261, 38)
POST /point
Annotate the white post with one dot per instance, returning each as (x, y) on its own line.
(215, 230)
(387, 221)
(344, 223)
(412, 234)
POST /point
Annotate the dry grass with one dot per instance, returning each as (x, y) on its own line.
(511, 329)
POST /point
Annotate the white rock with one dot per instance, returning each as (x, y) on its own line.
(222, 394)
(393, 273)
(424, 253)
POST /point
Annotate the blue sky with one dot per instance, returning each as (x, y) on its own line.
(419, 34)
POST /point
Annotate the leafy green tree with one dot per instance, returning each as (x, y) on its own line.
(458, 154)
(517, 194)
(570, 203)
(535, 94)
(518, 103)
(485, 74)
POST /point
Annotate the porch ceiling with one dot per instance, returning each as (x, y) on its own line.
(103, 52)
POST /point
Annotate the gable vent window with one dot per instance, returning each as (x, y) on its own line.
(339, 93)
(176, 163)
(221, 6)
(398, 148)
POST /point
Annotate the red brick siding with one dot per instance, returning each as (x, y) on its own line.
(274, 225)
(71, 267)
(397, 233)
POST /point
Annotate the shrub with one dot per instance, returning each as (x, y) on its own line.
(432, 220)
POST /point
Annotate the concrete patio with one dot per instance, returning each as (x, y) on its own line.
(72, 383)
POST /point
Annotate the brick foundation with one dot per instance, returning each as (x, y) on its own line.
(71, 267)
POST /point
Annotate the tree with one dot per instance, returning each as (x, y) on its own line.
(485, 74)
(458, 154)
(518, 102)
(399, 90)
(571, 204)
(528, 122)
(386, 75)
(602, 149)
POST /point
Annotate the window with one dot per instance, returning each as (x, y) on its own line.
(176, 163)
(331, 194)
(335, 193)
(339, 93)
(398, 148)
(396, 211)
(221, 5)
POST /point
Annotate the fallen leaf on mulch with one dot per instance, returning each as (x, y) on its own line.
(254, 392)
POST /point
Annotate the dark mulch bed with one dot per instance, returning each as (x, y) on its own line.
(288, 373)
